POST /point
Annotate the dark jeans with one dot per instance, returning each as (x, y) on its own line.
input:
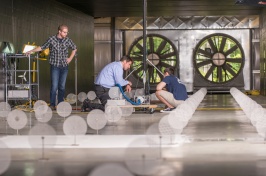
(102, 93)
(58, 82)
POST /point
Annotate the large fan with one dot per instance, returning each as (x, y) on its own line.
(161, 53)
(218, 58)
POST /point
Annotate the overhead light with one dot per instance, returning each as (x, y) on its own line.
(250, 2)
(239, 1)
(262, 3)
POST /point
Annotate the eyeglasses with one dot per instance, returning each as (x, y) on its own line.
(65, 32)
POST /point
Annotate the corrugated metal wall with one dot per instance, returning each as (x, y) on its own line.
(102, 44)
(23, 21)
(263, 52)
(255, 55)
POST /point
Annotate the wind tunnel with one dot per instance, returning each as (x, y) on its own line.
(215, 59)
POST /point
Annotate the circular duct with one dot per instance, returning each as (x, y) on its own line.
(218, 58)
(161, 53)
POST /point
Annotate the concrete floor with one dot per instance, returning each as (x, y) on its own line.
(219, 140)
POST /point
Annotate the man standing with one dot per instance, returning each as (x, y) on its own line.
(111, 75)
(175, 92)
(58, 45)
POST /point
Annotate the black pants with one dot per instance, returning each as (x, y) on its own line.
(87, 106)
(102, 93)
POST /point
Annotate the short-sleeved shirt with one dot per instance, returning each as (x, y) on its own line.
(111, 75)
(175, 86)
(58, 50)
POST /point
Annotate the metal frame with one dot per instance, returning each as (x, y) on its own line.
(9, 85)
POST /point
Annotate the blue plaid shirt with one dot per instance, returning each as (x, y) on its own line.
(58, 50)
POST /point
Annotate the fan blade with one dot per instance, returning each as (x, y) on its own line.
(227, 67)
(165, 65)
(168, 55)
(140, 48)
(234, 60)
(222, 44)
(204, 53)
(151, 74)
(161, 47)
(203, 63)
(209, 72)
(231, 50)
(139, 58)
(139, 69)
(219, 74)
(151, 43)
(213, 47)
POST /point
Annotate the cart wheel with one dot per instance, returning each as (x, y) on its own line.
(151, 110)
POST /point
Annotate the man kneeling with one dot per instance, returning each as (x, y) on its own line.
(175, 92)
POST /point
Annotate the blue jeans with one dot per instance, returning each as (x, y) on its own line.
(58, 82)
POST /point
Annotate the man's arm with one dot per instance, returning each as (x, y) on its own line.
(37, 49)
(160, 86)
(118, 76)
(71, 56)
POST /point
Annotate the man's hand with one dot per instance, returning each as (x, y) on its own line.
(28, 53)
(33, 51)
(128, 88)
(129, 83)
(68, 60)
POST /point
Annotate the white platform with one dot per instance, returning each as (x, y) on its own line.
(89, 141)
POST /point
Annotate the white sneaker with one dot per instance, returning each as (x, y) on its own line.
(167, 110)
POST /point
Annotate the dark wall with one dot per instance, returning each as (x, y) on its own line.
(23, 21)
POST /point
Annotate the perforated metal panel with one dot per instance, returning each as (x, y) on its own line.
(189, 22)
